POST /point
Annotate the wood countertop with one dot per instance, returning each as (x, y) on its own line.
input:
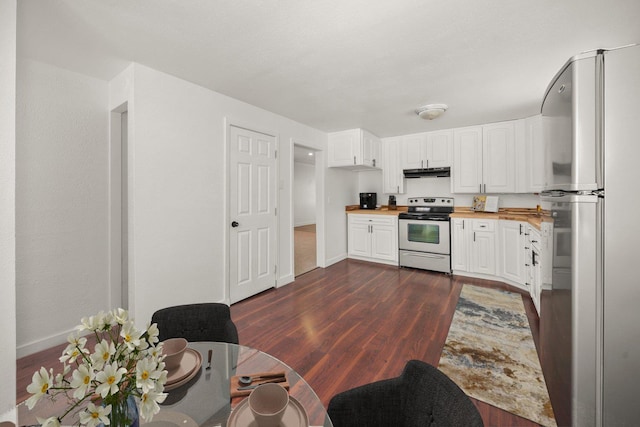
(383, 210)
(531, 216)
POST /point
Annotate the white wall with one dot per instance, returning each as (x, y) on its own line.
(341, 189)
(304, 194)
(176, 201)
(7, 209)
(61, 202)
(178, 180)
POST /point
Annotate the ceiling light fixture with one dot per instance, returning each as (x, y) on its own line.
(431, 111)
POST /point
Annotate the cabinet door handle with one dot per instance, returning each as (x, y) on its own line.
(398, 189)
(521, 229)
(354, 160)
(534, 241)
(474, 236)
(484, 186)
(427, 163)
(374, 163)
(480, 189)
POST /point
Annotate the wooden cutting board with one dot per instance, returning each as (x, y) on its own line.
(235, 383)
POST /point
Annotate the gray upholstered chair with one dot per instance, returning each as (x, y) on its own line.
(421, 396)
(197, 322)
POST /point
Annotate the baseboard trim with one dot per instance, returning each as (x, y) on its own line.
(11, 415)
(491, 277)
(285, 280)
(43, 344)
(333, 260)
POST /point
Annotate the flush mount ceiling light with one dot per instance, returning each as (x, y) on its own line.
(431, 111)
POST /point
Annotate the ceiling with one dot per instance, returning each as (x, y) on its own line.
(338, 64)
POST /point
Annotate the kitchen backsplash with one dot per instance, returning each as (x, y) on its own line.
(439, 187)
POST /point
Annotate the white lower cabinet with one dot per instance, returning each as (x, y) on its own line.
(473, 245)
(512, 250)
(459, 245)
(535, 267)
(373, 238)
(483, 246)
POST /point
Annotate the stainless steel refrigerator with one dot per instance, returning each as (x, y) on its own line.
(590, 313)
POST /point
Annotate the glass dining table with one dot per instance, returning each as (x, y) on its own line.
(205, 396)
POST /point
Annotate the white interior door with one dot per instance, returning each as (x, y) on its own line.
(252, 213)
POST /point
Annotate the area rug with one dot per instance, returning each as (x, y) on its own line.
(491, 355)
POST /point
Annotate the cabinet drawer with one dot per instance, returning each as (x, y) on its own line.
(373, 219)
(483, 225)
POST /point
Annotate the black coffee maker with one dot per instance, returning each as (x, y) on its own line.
(368, 200)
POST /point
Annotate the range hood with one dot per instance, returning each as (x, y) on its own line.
(427, 172)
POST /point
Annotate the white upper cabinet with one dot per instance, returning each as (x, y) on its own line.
(392, 177)
(355, 149)
(440, 149)
(427, 150)
(485, 159)
(467, 164)
(413, 151)
(499, 158)
(370, 149)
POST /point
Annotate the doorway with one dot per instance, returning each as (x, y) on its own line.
(304, 209)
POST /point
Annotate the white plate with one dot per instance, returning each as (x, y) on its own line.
(294, 415)
(171, 419)
(189, 366)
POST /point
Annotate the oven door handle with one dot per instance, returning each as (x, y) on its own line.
(424, 255)
(440, 219)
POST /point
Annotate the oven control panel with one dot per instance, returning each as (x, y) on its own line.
(430, 201)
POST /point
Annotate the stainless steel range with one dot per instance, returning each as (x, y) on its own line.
(425, 234)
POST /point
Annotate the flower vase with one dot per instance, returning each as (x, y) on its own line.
(124, 413)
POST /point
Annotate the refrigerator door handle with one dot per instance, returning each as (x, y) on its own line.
(599, 124)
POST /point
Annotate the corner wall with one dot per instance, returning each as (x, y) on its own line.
(61, 202)
(8, 10)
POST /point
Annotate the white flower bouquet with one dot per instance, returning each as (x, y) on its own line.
(126, 363)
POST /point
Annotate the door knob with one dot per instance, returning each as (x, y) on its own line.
(234, 224)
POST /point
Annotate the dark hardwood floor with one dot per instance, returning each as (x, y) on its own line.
(347, 325)
(357, 322)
